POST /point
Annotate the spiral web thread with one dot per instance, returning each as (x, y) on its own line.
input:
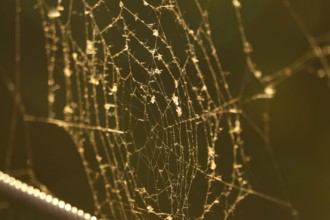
(139, 87)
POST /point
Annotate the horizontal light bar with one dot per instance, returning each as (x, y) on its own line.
(18, 190)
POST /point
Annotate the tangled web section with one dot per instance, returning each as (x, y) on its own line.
(140, 88)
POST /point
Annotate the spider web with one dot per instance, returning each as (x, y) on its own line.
(144, 112)
(141, 90)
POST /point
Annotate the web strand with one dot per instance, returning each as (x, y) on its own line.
(141, 90)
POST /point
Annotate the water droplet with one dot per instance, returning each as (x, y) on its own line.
(53, 13)
(149, 208)
(270, 91)
(114, 88)
(169, 218)
(67, 110)
(157, 71)
(257, 74)
(321, 73)
(67, 71)
(247, 48)
(176, 83)
(51, 98)
(175, 100)
(90, 49)
(213, 165)
(195, 60)
(179, 111)
(159, 57)
(99, 158)
(155, 33)
(153, 99)
(237, 128)
(75, 56)
(237, 3)
(94, 79)
(107, 106)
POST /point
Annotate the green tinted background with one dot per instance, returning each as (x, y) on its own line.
(299, 113)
